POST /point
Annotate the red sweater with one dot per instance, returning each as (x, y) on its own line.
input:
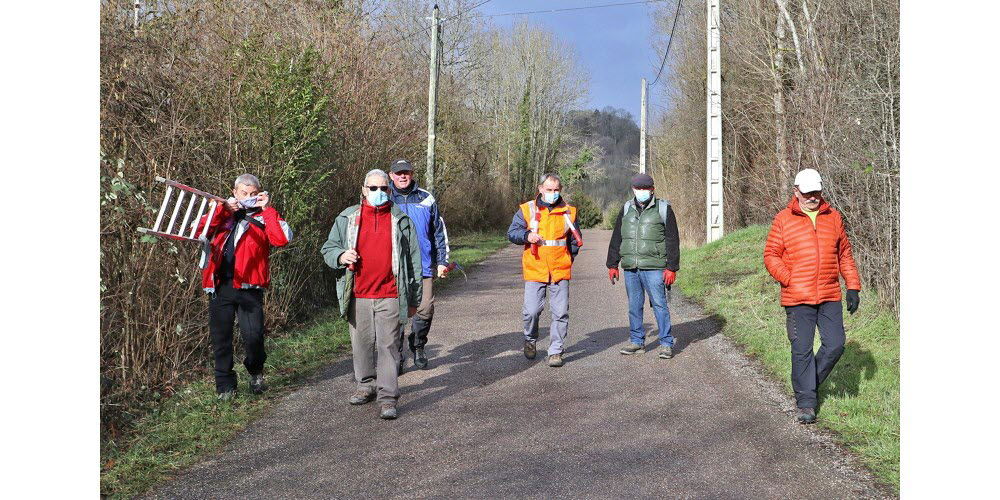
(253, 246)
(373, 278)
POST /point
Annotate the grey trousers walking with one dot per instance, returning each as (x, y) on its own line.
(375, 333)
(420, 325)
(534, 301)
(810, 370)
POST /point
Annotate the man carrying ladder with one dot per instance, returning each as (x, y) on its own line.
(241, 233)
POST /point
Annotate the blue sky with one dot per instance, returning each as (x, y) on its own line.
(612, 43)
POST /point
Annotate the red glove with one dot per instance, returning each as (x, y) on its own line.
(669, 277)
(613, 274)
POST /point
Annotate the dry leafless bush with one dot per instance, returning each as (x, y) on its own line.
(307, 95)
(805, 84)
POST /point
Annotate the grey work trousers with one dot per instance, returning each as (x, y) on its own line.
(534, 302)
(375, 339)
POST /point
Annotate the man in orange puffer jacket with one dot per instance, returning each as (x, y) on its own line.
(807, 251)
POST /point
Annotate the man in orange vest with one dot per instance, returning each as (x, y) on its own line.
(546, 226)
(807, 251)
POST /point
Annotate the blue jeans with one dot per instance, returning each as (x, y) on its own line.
(638, 283)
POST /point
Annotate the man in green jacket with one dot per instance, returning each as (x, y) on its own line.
(375, 256)
(646, 241)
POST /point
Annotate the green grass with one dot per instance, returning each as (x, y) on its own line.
(192, 422)
(860, 399)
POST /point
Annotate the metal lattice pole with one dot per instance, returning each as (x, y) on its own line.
(713, 198)
(642, 130)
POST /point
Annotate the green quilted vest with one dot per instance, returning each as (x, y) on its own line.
(643, 238)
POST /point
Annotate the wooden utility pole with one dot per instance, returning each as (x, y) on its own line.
(432, 99)
(642, 130)
(713, 124)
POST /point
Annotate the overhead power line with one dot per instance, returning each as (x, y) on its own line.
(565, 9)
(669, 41)
(456, 16)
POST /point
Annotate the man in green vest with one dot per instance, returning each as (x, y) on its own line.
(646, 242)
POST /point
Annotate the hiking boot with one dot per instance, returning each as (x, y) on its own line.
(419, 359)
(666, 352)
(361, 397)
(257, 384)
(631, 349)
(388, 412)
(227, 395)
(529, 349)
(556, 360)
(806, 415)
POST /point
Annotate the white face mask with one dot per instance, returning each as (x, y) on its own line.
(642, 195)
(377, 198)
(550, 198)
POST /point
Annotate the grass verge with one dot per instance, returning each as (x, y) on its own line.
(192, 422)
(860, 399)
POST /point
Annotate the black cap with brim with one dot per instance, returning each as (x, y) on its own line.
(642, 181)
(401, 166)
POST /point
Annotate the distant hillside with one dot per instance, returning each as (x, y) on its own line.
(613, 136)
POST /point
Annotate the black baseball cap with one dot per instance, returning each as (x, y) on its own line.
(401, 166)
(642, 181)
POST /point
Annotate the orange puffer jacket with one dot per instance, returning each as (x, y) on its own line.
(807, 261)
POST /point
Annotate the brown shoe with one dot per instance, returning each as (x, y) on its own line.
(556, 360)
(529, 349)
(361, 397)
(389, 411)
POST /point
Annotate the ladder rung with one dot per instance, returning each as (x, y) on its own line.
(165, 235)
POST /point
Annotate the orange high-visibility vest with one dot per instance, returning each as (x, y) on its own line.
(553, 263)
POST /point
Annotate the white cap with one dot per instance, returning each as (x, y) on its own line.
(808, 180)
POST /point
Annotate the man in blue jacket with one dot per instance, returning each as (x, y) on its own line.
(421, 207)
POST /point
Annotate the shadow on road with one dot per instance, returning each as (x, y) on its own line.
(486, 361)
(337, 369)
(691, 332)
(473, 364)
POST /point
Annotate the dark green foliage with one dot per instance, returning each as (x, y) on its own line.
(588, 214)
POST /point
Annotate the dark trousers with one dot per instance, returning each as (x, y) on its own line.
(246, 305)
(810, 370)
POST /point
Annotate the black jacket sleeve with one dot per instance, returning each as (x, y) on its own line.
(614, 248)
(672, 240)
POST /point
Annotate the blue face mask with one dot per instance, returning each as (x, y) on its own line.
(377, 197)
(550, 198)
(642, 195)
(249, 202)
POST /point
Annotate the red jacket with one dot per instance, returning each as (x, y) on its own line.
(808, 261)
(373, 278)
(253, 246)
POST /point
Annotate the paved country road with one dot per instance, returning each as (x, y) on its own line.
(486, 422)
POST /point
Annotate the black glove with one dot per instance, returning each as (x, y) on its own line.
(853, 299)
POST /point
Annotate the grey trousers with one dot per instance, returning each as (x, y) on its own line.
(375, 339)
(534, 301)
(421, 323)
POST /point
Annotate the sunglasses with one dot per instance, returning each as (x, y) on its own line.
(383, 188)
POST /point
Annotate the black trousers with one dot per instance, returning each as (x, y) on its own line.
(246, 305)
(810, 370)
